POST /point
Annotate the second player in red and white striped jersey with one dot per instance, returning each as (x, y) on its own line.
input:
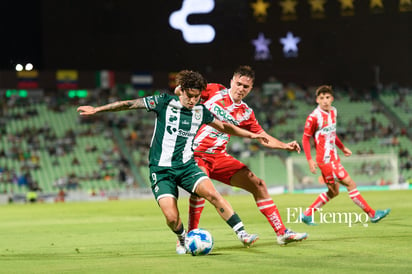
(218, 100)
(321, 125)
(211, 156)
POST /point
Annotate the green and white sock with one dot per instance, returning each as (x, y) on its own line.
(236, 224)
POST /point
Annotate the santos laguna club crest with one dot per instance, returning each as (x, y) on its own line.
(198, 116)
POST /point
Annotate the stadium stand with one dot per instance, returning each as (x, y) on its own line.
(45, 145)
(55, 150)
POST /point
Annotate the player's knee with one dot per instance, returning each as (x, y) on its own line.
(213, 197)
(172, 223)
(332, 193)
(257, 184)
(210, 196)
(260, 184)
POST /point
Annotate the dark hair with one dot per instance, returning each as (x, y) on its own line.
(323, 90)
(245, 71)
(189, 79)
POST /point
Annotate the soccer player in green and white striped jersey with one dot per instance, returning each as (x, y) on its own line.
(171, 159)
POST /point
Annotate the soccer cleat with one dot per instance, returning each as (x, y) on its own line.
(307, 219)
(379, 215)
(247, 239)
(290, 237)
(180, 249)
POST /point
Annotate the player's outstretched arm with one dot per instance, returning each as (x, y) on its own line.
(277, 144)
(116, 106)
(237, 131)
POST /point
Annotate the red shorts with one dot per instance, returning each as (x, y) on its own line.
(332, 171)
(219, 167)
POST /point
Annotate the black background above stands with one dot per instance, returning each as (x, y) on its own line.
(132, 35)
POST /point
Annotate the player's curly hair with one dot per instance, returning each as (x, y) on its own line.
(245, 71)
(189, 79)
(324, 89)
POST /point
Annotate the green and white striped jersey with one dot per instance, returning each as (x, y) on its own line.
(175, 129)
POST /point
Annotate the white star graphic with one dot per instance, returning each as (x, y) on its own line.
(262, 51)
(290, 45)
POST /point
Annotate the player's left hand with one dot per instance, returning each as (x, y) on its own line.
(293, 146)
(86, 110)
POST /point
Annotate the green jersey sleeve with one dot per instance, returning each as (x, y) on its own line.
(208, 117)
(156, 102)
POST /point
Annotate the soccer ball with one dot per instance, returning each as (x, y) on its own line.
(199, 242)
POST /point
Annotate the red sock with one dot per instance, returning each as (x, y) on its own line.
(271, 212)
(196, 205)
(319, 202)
(358, 200)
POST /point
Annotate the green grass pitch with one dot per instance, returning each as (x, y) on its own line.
(130, 236)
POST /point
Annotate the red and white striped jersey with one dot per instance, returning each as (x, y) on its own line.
(217, 100)
(322, 126)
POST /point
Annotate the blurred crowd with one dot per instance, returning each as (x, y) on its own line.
(276, 105)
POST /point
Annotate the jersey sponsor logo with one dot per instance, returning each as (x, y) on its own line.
(185, 122)
(328, 129)
(219, 135)
(184, 133)
(222, 114)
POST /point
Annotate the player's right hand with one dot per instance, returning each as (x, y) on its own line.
(312, 166)
(178, 90)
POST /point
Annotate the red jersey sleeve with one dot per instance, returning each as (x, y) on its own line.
(306, 146)
(252, 124)
(339, 143)
(310, 126)
(210, 90)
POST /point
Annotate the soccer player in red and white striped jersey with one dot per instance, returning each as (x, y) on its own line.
(321, 125)
(211, 156)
